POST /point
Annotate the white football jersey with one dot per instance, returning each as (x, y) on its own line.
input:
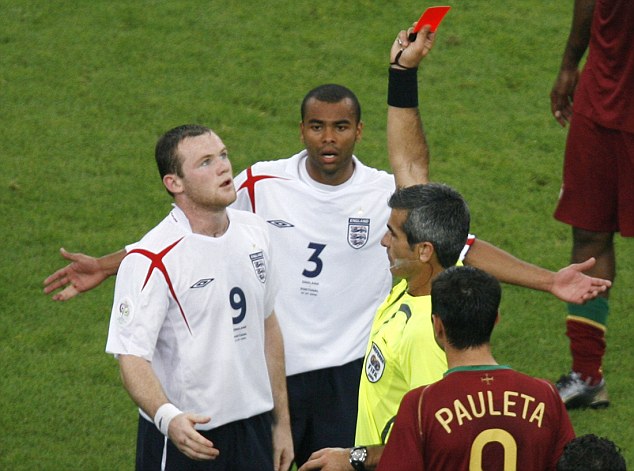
(333, 270)
(194, 306)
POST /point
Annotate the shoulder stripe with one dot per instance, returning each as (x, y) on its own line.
(250, 182)
(157, 264)
(386, 430)
(405, 309)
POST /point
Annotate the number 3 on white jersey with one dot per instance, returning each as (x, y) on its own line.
(314, 258)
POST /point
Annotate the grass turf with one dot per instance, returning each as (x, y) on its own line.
(87, 87)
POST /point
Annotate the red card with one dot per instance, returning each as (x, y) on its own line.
(432, 16)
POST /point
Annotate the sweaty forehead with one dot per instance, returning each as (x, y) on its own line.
(323, 111)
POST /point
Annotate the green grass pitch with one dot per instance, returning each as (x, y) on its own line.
(86, 87)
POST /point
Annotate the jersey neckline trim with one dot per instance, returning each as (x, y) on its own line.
(477, 368)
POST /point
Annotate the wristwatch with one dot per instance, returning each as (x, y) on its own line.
(357, 457)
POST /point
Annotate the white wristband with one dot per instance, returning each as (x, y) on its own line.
(164, 416)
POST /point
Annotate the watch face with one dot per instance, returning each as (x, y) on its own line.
(358, 454)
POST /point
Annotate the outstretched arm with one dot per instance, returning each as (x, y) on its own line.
(569, 284)
(406, 142)
(282, 438)
(564, 87)
(83, 274)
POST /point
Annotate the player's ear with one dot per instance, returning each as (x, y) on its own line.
(425, 251)
(359, 132)
(173, 183)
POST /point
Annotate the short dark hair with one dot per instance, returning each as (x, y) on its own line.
(436, 213)
(332, 93)
(591, 453)
(467, 301)
(166, 153)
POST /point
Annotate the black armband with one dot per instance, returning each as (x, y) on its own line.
(402, 88)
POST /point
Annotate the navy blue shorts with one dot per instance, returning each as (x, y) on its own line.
(245, 445)
(323, 406)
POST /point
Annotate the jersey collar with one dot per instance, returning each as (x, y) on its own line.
(477, 368)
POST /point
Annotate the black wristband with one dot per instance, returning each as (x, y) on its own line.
(402, 88)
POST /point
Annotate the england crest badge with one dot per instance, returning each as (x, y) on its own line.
(259, 265)
(358, 232)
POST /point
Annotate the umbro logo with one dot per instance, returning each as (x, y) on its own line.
(202, 283)
(280, 224)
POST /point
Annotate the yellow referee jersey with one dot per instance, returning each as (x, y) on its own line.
(402, 354)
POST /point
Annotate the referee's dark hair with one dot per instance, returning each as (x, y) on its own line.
(437, 214)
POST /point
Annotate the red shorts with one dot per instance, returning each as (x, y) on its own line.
(597, 193)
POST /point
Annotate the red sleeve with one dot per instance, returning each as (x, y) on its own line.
(403, 451)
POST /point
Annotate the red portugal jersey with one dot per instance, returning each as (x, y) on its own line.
(605, 92)
(482, 417)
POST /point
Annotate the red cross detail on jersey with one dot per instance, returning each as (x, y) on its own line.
(157, 263)
(250, 182)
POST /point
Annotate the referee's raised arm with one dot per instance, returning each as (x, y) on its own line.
(407, 146)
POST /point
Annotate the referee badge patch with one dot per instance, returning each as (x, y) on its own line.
(374, 364)
(358, 232)
(126, 312)
(257, 259)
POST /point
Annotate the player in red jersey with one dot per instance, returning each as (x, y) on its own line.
(481, 415)
(597, 195)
